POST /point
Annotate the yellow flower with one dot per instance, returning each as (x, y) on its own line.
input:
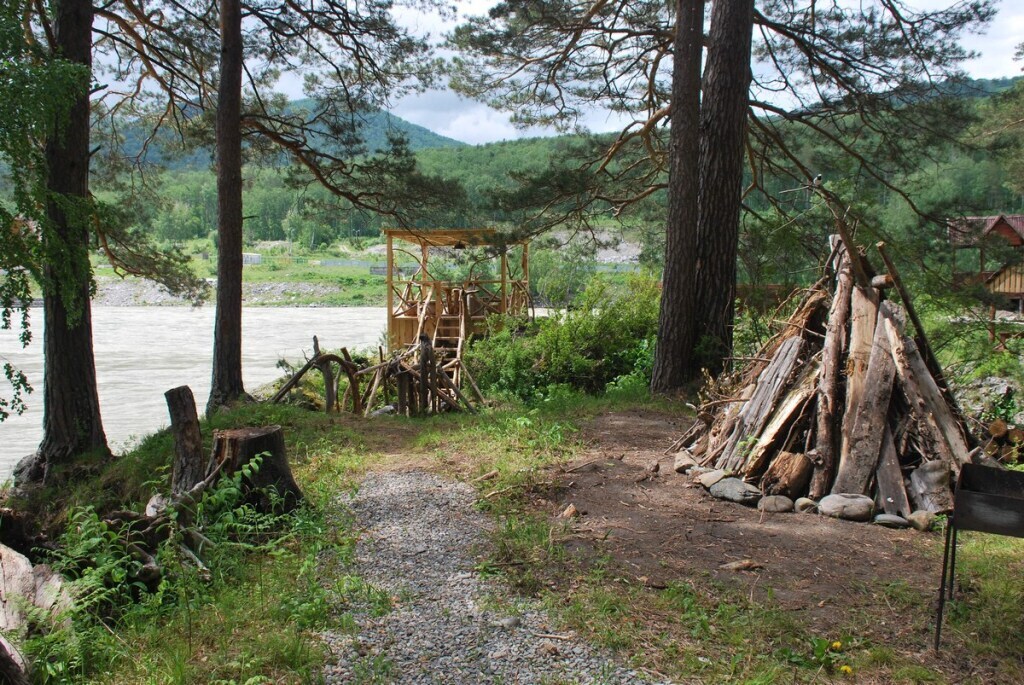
(845, 670)
(837, 645)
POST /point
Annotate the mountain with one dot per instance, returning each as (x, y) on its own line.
(374, 131)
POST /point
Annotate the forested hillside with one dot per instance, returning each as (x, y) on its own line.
(784, 233)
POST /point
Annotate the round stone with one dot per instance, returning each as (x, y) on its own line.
(847, 506)
(775, 504)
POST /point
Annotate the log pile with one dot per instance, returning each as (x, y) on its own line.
(841, 402)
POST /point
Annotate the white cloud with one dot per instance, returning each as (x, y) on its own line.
(448, 114)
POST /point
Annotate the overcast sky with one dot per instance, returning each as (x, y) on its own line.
(450, 115)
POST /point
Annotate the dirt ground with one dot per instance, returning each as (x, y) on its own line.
(663, 528)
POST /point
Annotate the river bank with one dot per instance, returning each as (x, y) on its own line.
(112, 291)
(143, 351)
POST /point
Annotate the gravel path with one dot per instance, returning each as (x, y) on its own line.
(417, 548)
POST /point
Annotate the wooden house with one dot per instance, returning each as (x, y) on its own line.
(423, 302)
(982, 235)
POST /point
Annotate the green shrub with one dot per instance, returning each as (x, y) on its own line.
(608, 335)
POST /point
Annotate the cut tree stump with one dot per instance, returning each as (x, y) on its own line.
(189, 461)
(236, 447)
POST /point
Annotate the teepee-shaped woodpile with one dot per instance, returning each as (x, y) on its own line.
(842, 400)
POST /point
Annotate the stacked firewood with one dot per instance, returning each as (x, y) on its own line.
(1005, 441)
(841, 401)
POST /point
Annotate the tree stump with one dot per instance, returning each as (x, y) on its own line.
(236, 447)
(189, 464)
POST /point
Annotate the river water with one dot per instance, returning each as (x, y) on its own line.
(141, 352)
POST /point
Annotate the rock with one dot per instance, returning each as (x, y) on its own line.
(29, 470)
(921, 520)
(711, 477)
(23, 585)
(386, 410)
(891, 521)
(775, 504)
(509, 622)
(805, 505)
(683, 462)
(157, 505)
(847, 506)
(570, 512)
(735, 490)
(654, 467)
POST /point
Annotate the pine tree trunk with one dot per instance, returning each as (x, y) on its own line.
(722, 134)
(227, 335)
(675, 330)
(71, 407)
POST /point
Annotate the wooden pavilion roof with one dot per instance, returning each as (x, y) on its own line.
(447, 237)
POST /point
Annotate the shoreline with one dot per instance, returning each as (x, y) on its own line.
(112, 291)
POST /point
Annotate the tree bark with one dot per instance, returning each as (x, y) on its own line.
(722, 135)
(676, 332)
(226, 384)
(71, 406)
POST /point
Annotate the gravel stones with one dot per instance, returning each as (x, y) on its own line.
(735, 490)
(775, 504)
(847, 506)
(417, 548)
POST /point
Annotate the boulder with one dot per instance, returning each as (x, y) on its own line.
(29, 470)
(23, 585)
(775, 504)
(805, 505)
(711, 477)
(921, 520)
(735, 490)
(683, 462)
(891, 521)
(846, 506)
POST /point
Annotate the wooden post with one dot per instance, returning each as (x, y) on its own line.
(189, 465)
(330, 390)
(426, 373)
(390, 278)
(504, 281)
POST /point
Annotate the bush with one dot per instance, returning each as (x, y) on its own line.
(607, 336)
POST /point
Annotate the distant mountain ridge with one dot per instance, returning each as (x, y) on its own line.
(374, 131)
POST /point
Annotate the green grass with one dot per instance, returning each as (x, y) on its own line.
(694, 629)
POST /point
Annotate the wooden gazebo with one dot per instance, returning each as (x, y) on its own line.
(449, 311)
